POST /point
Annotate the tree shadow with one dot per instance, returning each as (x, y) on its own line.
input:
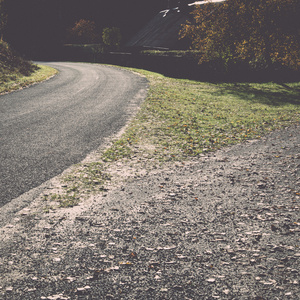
(272, 94)
(288, 87)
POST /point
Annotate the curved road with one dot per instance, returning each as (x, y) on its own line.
(48, 127)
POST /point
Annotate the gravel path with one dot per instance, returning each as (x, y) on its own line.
(225, 226)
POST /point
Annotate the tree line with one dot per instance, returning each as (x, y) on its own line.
(259, 34)
(233, 33)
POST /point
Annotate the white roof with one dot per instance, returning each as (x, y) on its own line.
(204, 2)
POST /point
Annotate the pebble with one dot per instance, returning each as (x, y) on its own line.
(57, 259)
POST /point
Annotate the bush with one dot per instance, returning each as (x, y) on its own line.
(112, 37)
(262, 34)
(12, 65)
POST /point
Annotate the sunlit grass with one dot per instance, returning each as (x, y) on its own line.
(183, 118)
(15, 81)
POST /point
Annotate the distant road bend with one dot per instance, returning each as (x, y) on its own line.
(48, 127)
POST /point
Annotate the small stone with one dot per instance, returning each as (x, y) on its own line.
(80, 290)
(169, 248)
(294, 271)
(211, 280)
(9, 289)
(149, 249)
(178, 288)
(70, 279)
(226, 292)
(268, 282)
(257, 278)
(54, 297)
(56, 259)
(280, 266)
(291, 248)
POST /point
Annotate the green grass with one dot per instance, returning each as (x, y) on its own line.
(89, 176)
(16, 72)
(182, 118)
(14, 81)
(194, 54)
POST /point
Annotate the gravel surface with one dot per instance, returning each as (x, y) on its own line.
(225, 226)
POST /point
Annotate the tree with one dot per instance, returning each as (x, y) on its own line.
(3, 18)
(251, 31)
(112, 37)
(84, 32)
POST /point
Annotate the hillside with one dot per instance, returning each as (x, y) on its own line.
(17, 73)
(12, 66)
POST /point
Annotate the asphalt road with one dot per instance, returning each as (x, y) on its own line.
(48, 127)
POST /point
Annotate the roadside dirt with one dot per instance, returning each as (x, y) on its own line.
(224, 226)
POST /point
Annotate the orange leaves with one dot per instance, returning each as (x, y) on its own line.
(84, 31)
(247, 30)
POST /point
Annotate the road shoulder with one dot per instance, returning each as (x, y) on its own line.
(222, 226)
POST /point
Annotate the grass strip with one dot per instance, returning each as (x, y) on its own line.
(15, 81)
(181, 118)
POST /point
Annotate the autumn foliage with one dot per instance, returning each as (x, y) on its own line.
(259, 33)
(84, 32)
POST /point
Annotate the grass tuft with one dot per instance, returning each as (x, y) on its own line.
(85, 179)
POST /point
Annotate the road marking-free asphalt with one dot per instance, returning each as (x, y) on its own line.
(48, 127)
